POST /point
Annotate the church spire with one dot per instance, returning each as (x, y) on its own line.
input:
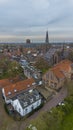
(47, 38)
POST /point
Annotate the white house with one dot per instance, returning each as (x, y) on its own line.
(25, 103)
(22, 96)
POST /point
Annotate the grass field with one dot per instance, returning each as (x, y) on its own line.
(68, 122)
(42, 123)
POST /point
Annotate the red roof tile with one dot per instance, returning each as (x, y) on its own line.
(63, 66)
(4, 83)
(16, 87)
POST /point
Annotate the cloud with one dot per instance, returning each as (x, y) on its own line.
(3, 1)
(32, 17)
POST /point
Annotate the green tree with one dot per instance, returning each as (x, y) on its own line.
(42, 64)
(14, 69)
(70, 56)
(55, 119)
(10, 69)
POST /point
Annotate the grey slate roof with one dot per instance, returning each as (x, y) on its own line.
(50, 53)
(28, 97)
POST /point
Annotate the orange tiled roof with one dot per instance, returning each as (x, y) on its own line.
(63, 66)
(58, 73)
(4, 83)
(19, 86)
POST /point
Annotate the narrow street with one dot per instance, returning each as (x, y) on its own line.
(59, 97)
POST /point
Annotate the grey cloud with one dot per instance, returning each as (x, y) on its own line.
(18, 16)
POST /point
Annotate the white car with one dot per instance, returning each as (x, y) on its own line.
(61, 103)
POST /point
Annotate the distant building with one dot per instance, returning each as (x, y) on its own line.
(28, 41)
(47, 45)
(47, 38)
(51, 56)
(23, 63)
(27, 72)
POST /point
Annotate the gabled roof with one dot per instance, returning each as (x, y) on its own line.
(61, 67)
(4, 83)
(58, 73)
(9, 81)
(12, 89)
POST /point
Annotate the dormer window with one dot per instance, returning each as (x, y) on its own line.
(15, 90)
(28, 85)
(9, 93)
(31, 100)
(31, 90)
(33, 83)
(25, 104)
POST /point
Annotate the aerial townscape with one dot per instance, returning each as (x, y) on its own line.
(34, 79)
(36, 65)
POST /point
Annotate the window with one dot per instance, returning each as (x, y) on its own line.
(26, 110)
(28, 85)
(15, 90)
(33, 83)
(32, 107)
(19, 110)
(15, 107)
(9, 93)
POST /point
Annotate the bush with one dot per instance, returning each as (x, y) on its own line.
(6, 109)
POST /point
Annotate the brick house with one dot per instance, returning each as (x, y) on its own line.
(56, 76)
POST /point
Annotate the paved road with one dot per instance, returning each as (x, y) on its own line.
(47, 107)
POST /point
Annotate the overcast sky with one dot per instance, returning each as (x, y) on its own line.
(21, 19)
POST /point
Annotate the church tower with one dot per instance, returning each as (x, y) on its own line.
(47, 38)
(47, 41)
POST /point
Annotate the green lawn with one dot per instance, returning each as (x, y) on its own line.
(68, 122)
(46, 121)
(40, 124)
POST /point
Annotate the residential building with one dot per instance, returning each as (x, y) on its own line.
(51, 56)
(22, 96)
(23, 63)
(12, 89)
(26, 102)
(56, 76)
(27, 72)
